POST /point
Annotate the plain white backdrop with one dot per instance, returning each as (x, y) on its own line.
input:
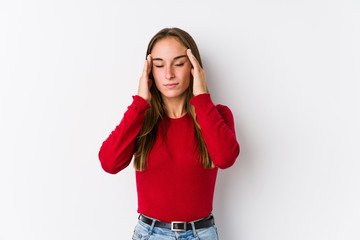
(288, 70)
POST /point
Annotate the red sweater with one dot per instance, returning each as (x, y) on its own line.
(175, 186)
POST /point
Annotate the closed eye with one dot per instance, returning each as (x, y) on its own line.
(178, 65)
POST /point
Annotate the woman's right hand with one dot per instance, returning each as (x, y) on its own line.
(145, 82)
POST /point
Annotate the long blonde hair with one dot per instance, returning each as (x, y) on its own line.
(146, 138)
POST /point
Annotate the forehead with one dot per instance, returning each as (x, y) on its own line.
(167, 48)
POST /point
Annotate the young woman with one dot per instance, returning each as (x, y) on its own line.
(179, 139)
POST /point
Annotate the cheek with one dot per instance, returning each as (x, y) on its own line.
(188, 69)
(185, 73)
(158, 78)
(156, 74)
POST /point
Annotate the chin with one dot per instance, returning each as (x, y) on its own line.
(173, 94)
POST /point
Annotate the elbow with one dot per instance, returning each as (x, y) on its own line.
(107, 164)
(109, 169)
(224, 166)
(228, 159)
(225, 163)
(114, 161)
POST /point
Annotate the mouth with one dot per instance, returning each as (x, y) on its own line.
(171, 85)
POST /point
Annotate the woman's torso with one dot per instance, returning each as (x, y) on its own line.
(175, 186)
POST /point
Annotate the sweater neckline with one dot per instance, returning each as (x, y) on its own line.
(177, 119)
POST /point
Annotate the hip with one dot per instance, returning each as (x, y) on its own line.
(149, 231)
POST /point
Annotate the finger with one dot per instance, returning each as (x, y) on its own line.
(146, 66)
(149, 60)
(193, 60)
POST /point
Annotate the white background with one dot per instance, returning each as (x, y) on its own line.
(288, 70)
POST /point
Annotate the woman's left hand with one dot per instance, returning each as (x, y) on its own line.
(199, 83)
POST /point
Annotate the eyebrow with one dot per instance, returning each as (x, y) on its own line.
(175, 58)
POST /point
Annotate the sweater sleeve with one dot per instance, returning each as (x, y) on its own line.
(118, 149)
(217, 129)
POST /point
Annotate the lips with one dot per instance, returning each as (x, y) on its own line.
(171, 85)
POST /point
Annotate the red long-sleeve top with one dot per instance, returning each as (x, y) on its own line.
(175, 186)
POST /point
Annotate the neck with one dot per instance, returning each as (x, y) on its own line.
(175, 107)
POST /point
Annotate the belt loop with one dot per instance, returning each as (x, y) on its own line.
(152, 227)
(194, 230)
(212, 215)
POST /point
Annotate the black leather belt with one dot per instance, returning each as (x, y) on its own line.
(180, 226)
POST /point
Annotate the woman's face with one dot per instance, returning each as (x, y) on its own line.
(171, 67)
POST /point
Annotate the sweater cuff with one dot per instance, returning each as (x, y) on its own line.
(201, 100)
(139, 103)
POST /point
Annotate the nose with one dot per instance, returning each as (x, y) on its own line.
(169, 73)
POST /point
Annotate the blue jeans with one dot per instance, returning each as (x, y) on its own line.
(145, 231)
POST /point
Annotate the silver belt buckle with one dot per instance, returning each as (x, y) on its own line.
(178, 229)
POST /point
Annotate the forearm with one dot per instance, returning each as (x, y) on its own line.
(117, 150)
(217, 129)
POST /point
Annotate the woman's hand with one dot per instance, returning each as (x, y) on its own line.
(199, 83)
(145, 82)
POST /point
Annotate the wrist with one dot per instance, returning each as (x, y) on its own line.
(145, 98)
(200, 92)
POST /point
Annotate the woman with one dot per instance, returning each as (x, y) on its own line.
(179, 139)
